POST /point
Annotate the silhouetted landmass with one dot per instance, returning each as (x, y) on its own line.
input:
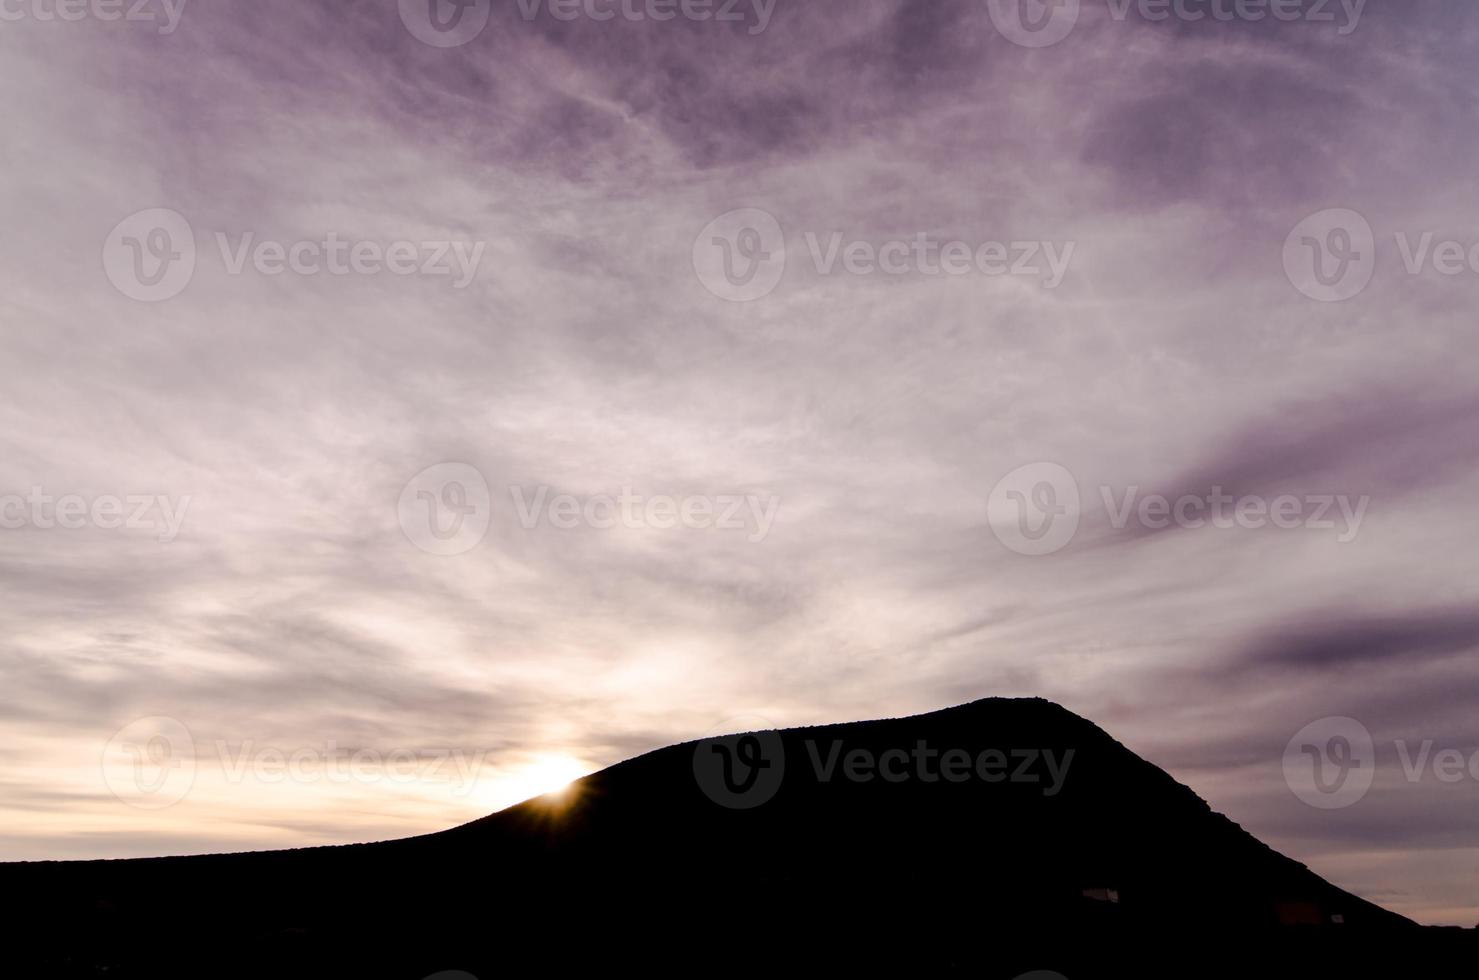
(1118, 872)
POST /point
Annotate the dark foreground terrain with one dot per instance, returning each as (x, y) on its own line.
(670, 865)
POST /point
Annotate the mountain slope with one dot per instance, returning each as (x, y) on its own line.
(993, 838)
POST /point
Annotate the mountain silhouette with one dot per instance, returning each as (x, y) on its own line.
(993, 839)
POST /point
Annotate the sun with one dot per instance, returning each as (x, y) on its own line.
(543, 775)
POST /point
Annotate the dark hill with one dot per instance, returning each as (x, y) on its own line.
(993, 839)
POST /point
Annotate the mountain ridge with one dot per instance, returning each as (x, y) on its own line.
(1082, 839)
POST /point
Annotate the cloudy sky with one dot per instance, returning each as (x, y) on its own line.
(491, 400)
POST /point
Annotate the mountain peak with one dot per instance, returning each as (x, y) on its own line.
(1010, 815)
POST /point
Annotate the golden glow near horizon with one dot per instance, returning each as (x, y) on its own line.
(155, 786)
(544, 775)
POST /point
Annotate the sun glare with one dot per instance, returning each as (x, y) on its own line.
(545, 775)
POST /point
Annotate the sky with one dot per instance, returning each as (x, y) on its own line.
(404, 415)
